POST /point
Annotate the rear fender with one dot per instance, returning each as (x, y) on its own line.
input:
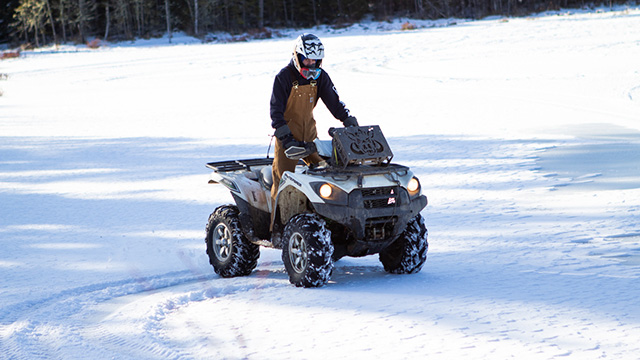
(241, 186)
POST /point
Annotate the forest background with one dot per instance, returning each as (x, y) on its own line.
(39, 22)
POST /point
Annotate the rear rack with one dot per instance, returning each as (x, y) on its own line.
(235, 165)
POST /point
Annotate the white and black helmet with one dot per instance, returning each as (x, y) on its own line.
(308, 46)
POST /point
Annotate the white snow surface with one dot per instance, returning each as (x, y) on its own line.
(525, 133)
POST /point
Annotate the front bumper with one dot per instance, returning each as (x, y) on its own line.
(375, 215)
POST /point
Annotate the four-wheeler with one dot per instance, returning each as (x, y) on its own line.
(356, 203)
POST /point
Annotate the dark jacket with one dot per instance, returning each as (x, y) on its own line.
(282, 89)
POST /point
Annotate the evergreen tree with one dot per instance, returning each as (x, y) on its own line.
(41, 21)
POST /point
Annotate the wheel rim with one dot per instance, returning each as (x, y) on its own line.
(298, 252)
(222, 242)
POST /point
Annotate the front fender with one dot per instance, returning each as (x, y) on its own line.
(292, 197)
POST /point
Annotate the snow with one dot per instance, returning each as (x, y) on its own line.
(525, 133)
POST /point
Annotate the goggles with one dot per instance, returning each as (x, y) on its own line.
(310, 74)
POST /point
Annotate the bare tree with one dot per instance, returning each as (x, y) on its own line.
(82, 17)
(315, 16)
(284, 6)
(107, 15)
(53, 25)
(138, 9)
(168, 16)
(63, 20)
(195, 17)
(122, 17)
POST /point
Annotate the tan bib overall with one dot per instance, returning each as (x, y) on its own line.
(299, 116)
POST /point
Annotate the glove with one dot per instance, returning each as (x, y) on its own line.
(283, 133)
(350, 121)
(293, 149)
(301, 150)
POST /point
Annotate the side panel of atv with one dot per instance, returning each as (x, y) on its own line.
(251, 195)
(255, 222)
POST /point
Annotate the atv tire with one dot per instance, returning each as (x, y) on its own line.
(307, 251)
(230, 252)
(408, 253)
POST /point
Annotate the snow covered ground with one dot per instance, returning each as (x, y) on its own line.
(525, 134)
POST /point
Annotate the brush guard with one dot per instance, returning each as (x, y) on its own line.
(359, 145)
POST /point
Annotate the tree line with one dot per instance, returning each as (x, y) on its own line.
(40, 22)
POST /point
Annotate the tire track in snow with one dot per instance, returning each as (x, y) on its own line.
(111, 289)
(634, 93)
(31, 329)
(116, 319)
(143, 314)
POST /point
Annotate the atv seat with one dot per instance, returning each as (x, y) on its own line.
(266, 177)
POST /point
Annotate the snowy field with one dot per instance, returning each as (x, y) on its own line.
(525, 134)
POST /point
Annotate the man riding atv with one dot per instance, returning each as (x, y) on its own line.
(345, 198)
(296, 91)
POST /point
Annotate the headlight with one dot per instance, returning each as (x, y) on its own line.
(413, 186)
(325, 191)
(330, 193)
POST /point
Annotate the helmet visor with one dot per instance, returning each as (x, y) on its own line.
(310, 73)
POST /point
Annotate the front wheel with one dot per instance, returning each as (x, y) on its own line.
(230, 252)
(307, 250)
(408, 253)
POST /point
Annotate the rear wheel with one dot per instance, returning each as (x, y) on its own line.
(230, 252)
(408, 253)
(307, 251)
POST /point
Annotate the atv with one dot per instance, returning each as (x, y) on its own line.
(356, 203)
